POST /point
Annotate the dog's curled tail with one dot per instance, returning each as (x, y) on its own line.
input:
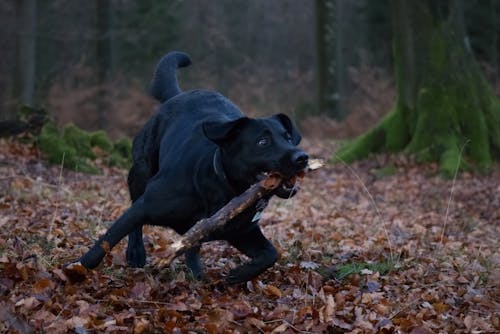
(164, 84)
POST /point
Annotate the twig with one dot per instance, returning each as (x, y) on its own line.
(288, 324)
(372, 200)
(451, 191)
(51, 225)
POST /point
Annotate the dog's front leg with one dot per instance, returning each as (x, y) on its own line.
(128, 222)
(262, 253)
(193, 262)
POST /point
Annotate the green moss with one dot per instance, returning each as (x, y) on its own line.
(388, 135)
(438, 48)
(79, 140)
(100, 139)
(450, 159)
(115, 159)
(362, 146)
(396, 130)
(493, 116)
(121, 154)
(73, 148)
(59, 151)
(124, 148)
(52, 145)
(347, 269)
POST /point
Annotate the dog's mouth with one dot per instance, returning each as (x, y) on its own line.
(288, 184)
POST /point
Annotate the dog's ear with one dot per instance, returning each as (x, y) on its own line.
(288, 125)
(223, 131)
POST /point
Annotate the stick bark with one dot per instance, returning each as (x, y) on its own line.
(233, 208)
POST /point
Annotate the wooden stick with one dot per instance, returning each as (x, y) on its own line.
(233, 208)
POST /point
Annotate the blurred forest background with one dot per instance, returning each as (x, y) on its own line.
(327, 63)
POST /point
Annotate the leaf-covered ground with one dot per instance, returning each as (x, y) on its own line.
(384, 245)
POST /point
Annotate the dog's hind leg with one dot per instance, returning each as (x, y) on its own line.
(137, 179)
(262, 253)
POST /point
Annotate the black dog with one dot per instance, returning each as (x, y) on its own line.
(193, 156)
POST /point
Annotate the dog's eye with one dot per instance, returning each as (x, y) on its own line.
(288, 137)
(264, 141)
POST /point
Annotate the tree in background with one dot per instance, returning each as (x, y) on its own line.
(103, 57)
(27, 10)
(142, 31)
(444, 102)
(338, 44)
(328, 61)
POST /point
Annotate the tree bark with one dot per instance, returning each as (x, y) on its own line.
(27, 50)
(444, 103)
(330, 70)
(103, 54)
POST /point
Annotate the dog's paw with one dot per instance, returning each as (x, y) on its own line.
(241, 274)
(136, 257)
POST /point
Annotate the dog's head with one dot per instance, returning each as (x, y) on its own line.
(251, 148)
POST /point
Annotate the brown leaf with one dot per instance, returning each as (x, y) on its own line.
(305, 312)
(212, 328)
(241, 310)
(42, 285)
(272, 291)
(468, 322)
(105, 245)
(440, 307)
(141, 291)
(281, 328)
(421, 330)
(177, 306)
(59, 273)
(329, 307)
(28, 303)
(75, 272)
(141, 325)
(251, 321)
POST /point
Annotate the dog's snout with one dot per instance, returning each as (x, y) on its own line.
(300, 159)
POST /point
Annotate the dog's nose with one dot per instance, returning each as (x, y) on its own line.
(300, 159)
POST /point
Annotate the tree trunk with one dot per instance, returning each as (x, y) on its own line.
(444, 103)
(330, 67)
(103, 55)
(27, 50)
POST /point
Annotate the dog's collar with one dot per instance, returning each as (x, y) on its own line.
(220, 172)
(217, 163)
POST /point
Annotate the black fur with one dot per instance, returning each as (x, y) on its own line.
(194, 155)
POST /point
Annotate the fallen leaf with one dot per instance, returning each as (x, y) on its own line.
(421, 330)
(468, 322)
(251, 321)
(272, 291)
(42, 285)
(280, 329)
(75, 272)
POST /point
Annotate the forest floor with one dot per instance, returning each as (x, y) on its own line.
(380, 246)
